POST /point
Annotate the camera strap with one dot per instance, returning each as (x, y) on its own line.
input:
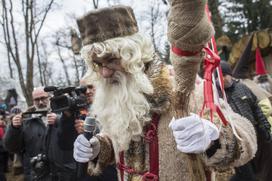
(48, 139)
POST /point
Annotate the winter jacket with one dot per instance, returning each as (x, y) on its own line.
(262, 97)
(137, 156)
(188, 30)
(33, 138)
(28, 139)
(244, 102)
(65, 134)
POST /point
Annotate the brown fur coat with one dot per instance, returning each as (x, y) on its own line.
(174, 165)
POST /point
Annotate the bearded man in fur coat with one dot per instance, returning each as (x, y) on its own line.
(146, 130)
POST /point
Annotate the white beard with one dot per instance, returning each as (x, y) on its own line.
(122, 108)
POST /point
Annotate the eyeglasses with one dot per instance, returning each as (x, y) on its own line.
(90, 86)
(113, 64)
(38, 99)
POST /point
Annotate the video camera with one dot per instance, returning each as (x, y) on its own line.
(67, 98)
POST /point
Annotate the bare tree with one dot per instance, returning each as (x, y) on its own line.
(40, 65)
(165, 2)
(154, 16)
(95, 4)
(10, 65)
(153, 20)
(33, 18)
(46, 70)
(76, 65)
(65, 68)
(70, 44)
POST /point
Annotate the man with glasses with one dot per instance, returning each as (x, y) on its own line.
(27, 135)
(142, 128)
(38, 134)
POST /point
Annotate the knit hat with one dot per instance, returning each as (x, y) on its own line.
(260, 67)
(105, 23)
(226, 68)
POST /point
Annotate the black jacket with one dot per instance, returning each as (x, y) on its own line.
(244, 102)
(108, 174)
(33, 138)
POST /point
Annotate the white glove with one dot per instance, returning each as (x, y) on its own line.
(85, 150)
(193, 134)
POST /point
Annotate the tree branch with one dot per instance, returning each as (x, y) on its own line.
(47, 9)
(95, 4)
(64, 65)
(5, 27)
(14, 34)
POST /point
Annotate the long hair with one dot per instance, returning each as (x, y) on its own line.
(121, 107)
(134, 51)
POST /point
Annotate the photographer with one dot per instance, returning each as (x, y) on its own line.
(36, 137)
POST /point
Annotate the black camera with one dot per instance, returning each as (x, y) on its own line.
(67, 98)
(40, 166)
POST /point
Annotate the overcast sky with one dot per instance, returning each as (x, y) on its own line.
(58, 18)
(61, 17)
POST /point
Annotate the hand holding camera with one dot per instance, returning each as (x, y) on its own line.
(17, 121)
(51, 118)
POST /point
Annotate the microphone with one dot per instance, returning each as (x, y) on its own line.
(90, 127)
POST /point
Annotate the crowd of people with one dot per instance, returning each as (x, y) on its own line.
(147, 124)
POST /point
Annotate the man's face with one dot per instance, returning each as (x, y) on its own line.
(40, 99)
(90, 93)
(107, 67)
(227, 81)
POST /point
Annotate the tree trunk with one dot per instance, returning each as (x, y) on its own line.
(64, 67)
(76, 69)
(31, 21)
(216, 17)
(39, 65)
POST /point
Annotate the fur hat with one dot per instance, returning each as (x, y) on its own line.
(102, 24)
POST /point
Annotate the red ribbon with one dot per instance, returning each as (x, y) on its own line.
(182, 53)
(153, 146)
(211, 61)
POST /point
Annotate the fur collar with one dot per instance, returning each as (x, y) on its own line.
(158, 74)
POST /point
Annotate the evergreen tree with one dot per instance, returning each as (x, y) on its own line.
(216, 17)
(245, 16)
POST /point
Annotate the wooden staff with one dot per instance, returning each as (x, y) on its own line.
(189, 30)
